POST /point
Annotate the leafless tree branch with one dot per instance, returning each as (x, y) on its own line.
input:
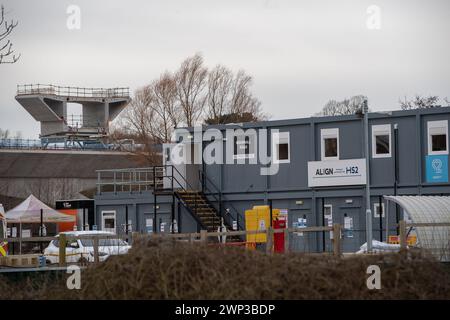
(419, 102)
(191, 82)
(6, 51)
(352, 105)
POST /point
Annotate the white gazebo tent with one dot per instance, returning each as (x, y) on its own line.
(427, 209)
(32, 210)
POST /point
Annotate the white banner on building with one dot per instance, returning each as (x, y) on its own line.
(336, 172)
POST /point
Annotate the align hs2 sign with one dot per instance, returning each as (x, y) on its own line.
(336, 172)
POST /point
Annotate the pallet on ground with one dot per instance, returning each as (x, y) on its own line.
(20, 261)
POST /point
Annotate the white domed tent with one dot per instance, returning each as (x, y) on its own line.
(428, 210)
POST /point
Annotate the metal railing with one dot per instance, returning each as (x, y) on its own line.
(75, 92)
(149, 179)
(13, 143)
(219, 198)
(130, 179)
(33, 144)
(79, 121)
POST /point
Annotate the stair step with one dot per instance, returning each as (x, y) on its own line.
(205, 211)
(211, 220)
(206, 214)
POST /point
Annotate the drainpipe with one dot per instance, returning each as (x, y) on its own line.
(366, 153)
(397, 214)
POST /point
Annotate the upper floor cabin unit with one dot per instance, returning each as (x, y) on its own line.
(48, 105)
(408, 149)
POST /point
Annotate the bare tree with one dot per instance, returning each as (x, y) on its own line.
(229, 98)
(242, 100)
(180, 98)
(419, 102)
(352, 105)
(139, 115)
(166, 107)
(191, 81)
(6, 51)
(138, 123)
(154, 111)
(220, 81)
(4, 134)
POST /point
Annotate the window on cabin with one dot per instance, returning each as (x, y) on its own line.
(283, 151)
(280, 147)
(381, 141)
(439, 142)
(382, 144)
(376, 210)
(437, 137)
(330, 147)
(330, 144)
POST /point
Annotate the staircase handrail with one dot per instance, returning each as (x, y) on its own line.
(220, 200)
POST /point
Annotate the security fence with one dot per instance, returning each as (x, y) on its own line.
(275, 241)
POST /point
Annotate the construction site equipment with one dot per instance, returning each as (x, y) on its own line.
(279, 238)
(257, 219)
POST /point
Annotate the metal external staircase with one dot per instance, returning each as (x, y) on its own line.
(205, 212)
(197, 202)
(206, 206)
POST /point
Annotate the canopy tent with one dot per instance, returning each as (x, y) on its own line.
(427, 209)
(29, 211)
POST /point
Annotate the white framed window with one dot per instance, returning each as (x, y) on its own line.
(243, 148)
(376, 210)
(381, 141)
(437, 137)
(281, 147)
(109, 221)
(329, 144)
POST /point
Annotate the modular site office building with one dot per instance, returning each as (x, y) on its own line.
(320, 178)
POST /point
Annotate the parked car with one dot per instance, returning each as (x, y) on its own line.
(82, 250)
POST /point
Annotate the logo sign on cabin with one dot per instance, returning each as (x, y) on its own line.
(437, 168)
(336, 172)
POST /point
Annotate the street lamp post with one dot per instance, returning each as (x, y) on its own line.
(366, 153)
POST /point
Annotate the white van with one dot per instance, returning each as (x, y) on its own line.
(82, 250)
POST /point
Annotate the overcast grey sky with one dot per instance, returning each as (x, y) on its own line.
(300, 53)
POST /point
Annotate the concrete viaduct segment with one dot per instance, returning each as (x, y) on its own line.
(48, 105)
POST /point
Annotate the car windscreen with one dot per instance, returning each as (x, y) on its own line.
(103, 242)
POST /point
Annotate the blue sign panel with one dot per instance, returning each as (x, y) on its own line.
(437, 168)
